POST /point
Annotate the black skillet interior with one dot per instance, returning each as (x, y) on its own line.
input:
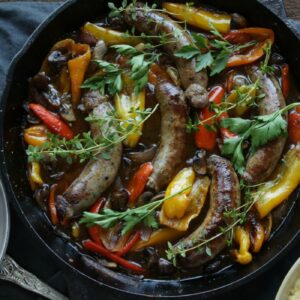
(71, 16)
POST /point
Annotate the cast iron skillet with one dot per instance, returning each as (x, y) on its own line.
(27, 63)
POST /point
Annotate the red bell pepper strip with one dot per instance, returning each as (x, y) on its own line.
(263, 36)
(294, 125)
(94, 231)
(52, 207)
(206, 138)
(91, 246)
(285, 80)
(54, 124)
(129, 245)
(138, 182)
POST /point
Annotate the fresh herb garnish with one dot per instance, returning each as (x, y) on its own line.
(259, 131)
(110, 82)
(140, 62)
(213, 54)
(114, 131)
(130, 218)
(264, 66)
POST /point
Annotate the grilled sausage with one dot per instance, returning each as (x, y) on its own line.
(154, 23)
(97, 175)
(171, 152)
(224, 195)
(262, 163)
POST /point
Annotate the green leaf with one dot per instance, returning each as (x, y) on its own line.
(151, 221)
(200, 41)
(187, 52)
(203, 61)
(236, 125)
(220, 62)
(268, 129)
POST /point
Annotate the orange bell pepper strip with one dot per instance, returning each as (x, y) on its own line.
(285, 80)
(263, 36)
(36, 135)
(54, 124)
(52, 207)
(138, 182)
(94, 231)
(294, 125)
(77, 68)
(91, 246)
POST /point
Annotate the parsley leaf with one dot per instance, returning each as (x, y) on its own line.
(188, 52)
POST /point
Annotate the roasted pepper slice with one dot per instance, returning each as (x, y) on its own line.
(272, 194)
(285, 80)
(159, 237)
(126, 108)
(233, 97)
(109, 36)
(197, 199)
(53, 123)
(36, 135)
(263, 37)
(200, 18)
(294, 125)
(176, 206)
(77, 68)
(242, 255)
(34, 175)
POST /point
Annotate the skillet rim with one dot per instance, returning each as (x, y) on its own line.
(4, 222)
(9, 189)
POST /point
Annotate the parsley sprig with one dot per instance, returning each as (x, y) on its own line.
(131, 217)
(259, 131)
(84, 146)
(264, 66)
(213, 54)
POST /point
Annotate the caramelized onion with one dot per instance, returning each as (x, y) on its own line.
(143, 156)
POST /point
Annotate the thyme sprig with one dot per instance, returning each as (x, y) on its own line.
(114, 131)
(130, 218)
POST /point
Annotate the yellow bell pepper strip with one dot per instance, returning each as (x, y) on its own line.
(242, 255)
(197, 17)
(126, 108)
(197, 199)
(36, 135)
(158, 237)
(263, 36)
(66, 44)
(268, 224)
(256, 231)
(109, 36)
(241, 109)
(176, 206)
(34, 175)
(64, 81)
(271, 194)
(77, 68)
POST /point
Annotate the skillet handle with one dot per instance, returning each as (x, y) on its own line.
(11, 271)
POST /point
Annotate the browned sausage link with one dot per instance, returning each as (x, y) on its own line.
(154, 23)
(96, 177)
(171, 152)
(224, 195)
(263, 162)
